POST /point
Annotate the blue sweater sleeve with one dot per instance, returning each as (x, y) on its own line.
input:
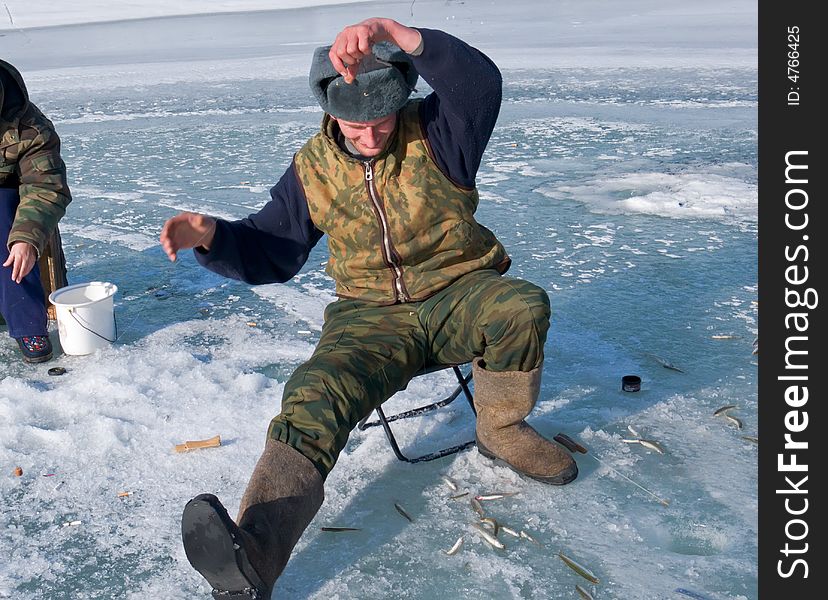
(460, 115)
(269, 246)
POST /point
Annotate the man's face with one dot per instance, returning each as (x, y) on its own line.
(370, 137)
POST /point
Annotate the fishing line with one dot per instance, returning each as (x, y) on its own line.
(660, 500)
(16, 28)
(166, 269)
(574, 446)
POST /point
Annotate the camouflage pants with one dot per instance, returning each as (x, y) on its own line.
(367, 353)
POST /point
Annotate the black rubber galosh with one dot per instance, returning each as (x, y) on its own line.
(214, 547)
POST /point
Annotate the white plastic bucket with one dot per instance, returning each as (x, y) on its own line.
(85, 316)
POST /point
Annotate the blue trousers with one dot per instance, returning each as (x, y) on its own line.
(23, 304)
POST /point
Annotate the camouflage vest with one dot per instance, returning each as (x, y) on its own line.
(398, 229)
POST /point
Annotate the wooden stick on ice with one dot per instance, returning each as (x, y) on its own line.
(213, 442)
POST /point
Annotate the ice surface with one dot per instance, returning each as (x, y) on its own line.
(43, 13)
(621, 177)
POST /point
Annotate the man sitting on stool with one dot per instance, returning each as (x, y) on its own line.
(392, 184)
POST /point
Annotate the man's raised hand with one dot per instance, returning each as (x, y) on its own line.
(354, 43)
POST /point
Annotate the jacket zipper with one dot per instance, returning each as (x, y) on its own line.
(389, 255)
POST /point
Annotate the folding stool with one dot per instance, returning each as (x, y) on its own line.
(384, 421)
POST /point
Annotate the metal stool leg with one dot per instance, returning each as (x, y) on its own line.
(385, 421)
(464, 385)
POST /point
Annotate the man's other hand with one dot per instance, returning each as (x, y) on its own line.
(22, 259)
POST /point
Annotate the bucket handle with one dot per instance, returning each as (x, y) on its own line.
(74, 316)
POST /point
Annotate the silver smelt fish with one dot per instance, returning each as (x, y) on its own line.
(723, 409)
(579, 569)
(631, 441)
(401, 510)
(583, 593)
(493, 522)
(338, 529)
(498, 496)
(633, 431)
(526, 536)
(450, 483)
(652, 445)
(453, 550)
(510, 531)
(734, 420)
(486, 535)
(751, 438)
(456, 496)
(666, 363)
(691, 594)
(478, 508)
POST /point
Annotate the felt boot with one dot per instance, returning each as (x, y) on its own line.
(243, 561)
(503, 400)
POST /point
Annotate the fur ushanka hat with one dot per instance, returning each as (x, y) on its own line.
(383, 83)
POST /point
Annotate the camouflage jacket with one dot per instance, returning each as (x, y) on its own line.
(398, 229)
(30, 160)
(425, 181)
